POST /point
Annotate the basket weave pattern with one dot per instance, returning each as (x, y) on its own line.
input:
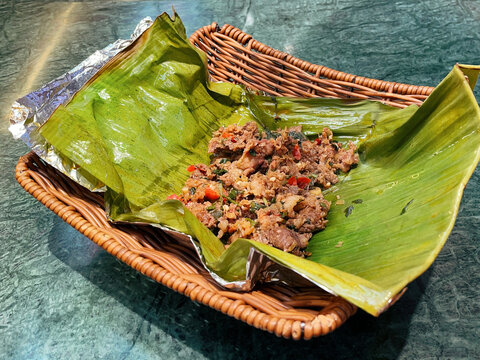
(233, 56)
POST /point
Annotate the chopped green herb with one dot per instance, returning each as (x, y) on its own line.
(323, 205)
(193, 190)
(348, 211)
(284, 214)
(254, 206)
(290, 226)
(273, 201)
(219, 171)
(252, 152)
(357, 201)
(404, 210)
(297, 135)
(337, 171)
(252, 222)
(232, 195)
(210, 208)
(223, 161)
(265, 202)
(232, 201)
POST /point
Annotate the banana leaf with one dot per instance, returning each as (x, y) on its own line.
(151, 110)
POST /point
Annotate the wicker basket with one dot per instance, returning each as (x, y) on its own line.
(233, 56)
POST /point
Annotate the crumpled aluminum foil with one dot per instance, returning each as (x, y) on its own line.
(259, 268)
(31, 111)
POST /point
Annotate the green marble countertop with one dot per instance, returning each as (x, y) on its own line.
(62, 297)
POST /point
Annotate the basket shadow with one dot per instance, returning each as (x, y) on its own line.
(218, 336)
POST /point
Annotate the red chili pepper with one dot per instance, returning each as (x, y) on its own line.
(228, 135)
(191, 168)
(302, 182)
(173, 197)
(211, 194)
(292, 181)
(296, 152)
(318, 141)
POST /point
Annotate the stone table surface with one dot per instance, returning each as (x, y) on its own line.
(63, 297)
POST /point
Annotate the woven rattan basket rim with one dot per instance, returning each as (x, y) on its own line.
(235, 56)
(305, 315)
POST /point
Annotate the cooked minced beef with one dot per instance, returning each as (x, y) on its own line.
(266, 187)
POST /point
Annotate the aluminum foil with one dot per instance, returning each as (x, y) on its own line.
(31, 111)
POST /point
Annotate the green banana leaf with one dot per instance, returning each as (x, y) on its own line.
(150, 112)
